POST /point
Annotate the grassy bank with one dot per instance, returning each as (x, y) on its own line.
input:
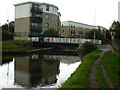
(79, 79)
(15, 45)
(111, 64)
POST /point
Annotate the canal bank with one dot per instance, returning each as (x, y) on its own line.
(79, 79)
(17, 47)
(96, 73)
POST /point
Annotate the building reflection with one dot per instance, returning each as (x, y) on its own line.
(69, 59)
(36, 70)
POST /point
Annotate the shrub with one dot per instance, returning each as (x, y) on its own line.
(87, 48)
(51, 33)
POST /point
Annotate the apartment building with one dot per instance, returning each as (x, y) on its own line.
(76, 29)
(119, 11)
(33, 18)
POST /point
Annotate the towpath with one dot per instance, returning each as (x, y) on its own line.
(91, 77)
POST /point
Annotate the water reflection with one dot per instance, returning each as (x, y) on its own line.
(39, 70)
(35, 70)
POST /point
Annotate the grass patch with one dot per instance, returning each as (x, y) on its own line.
(111, 64)
(79, 79)
(100, 78)
(13, 44)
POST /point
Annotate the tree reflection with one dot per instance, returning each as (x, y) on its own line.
(5, 60)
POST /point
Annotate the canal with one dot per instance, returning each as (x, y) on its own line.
(37, 70)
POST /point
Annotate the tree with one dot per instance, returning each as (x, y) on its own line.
(51, 33)
(108, 36)
(87, 48)
(98, 35)
(8, 33)
(115, 27)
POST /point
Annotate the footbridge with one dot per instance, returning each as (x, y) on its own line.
(61, 42)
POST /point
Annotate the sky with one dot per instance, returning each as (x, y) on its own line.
(92, 12)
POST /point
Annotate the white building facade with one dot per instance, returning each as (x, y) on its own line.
(119, 11)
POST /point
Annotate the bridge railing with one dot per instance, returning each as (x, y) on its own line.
(66, 40)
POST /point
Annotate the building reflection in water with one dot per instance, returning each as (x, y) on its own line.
(34, 70)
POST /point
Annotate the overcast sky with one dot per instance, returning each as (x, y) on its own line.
(82, 11)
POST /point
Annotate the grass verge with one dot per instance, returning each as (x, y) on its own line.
(79, 79)
(14, 45)
(100, 78)
(112, 67)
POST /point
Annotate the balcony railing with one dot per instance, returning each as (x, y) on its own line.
(37, 10)
(33, 28)
(36, 19)
(35, 34)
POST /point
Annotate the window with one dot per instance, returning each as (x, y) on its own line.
(53, 9)
(47, 25)
(73, 31)
(46, 16)
(35, 6)
(47, 8)
(63, 30)
(36, 15)
(36, 25)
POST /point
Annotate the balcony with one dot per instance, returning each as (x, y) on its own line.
(36, 10)
(36, 19)
(38, 29)
(35, 34)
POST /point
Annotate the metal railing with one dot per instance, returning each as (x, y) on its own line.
(37, 10)
(36, 19)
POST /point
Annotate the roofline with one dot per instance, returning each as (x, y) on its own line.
(82, 23)
(43, 3)
(79, 23)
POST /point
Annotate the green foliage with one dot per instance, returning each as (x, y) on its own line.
(13, 45)
(51, 33)
(115, 27)
(100, 78)
(108, 36)
(111, 63)
(87, 48)
(98, 35)
(7, 36)
(112, 67)
(8, 33)
(79, 79)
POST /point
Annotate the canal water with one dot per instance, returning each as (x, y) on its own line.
(36, 70)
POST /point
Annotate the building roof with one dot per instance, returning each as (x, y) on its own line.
(77, 24)
(80, 23)
(43, 3)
